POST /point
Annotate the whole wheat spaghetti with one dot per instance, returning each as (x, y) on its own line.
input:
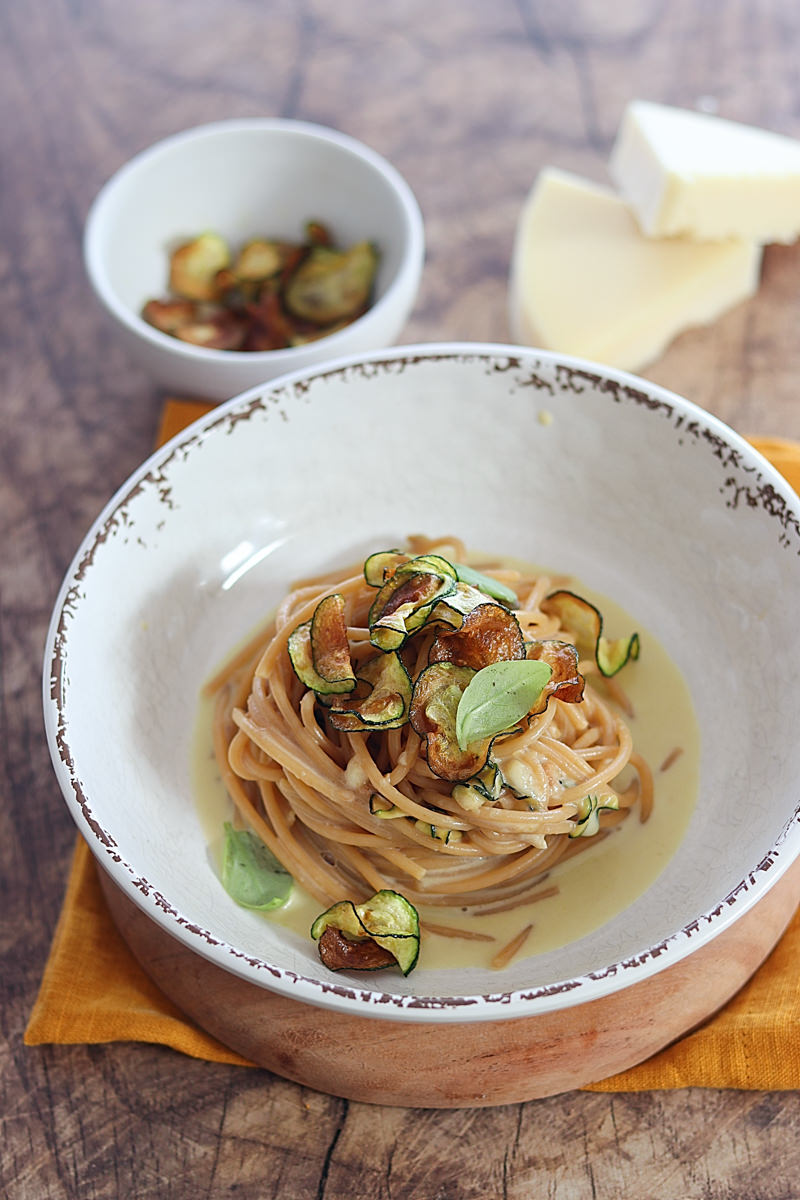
(352, 810)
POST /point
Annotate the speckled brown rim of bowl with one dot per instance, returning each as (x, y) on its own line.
(749, 482)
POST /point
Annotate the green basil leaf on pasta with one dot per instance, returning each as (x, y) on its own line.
(251, 874)
(498, 696)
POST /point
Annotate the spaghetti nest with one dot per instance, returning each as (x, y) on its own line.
(350, 806)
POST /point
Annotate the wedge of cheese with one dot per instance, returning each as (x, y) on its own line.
(690, 173)
(586, 281)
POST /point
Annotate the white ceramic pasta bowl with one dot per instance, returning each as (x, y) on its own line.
(554, 460)
(246, 178)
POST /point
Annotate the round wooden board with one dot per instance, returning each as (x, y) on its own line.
(462, 1065)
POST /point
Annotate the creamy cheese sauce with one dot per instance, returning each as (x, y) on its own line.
(595, 885)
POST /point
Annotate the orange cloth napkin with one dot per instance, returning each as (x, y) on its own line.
(93, 990)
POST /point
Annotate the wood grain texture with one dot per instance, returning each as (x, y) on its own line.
(469, 100)
(477, 1065)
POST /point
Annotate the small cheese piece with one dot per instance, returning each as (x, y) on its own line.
(690, 173)
(586, 281)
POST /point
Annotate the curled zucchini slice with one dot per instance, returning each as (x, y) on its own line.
(589, 809)
(330, 285)
(319, 650)
(403, 605)
(259, 259)
(566, 681)
(330, 648)
(407, 598)
(586, 623)
(487, 634)
(299, 646)
(169, 315)
(458, 604)
(433, 563)
(232, 292)
(439, 833)
(482, 789)
(434, 704)
(194, 265)
(387, 704)
(387, 920)
(379, 806)
(389, 568)
(341, 953)
(382, 565)
(216, 331)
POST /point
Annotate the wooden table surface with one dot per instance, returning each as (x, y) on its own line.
(469, 99)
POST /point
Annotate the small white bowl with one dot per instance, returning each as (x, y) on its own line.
(596, 473)
(244, 179)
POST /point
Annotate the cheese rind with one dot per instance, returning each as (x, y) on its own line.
(586, 281)
(691, 173)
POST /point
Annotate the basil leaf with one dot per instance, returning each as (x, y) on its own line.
(486, 584)
(498, 696)
(251, 874)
